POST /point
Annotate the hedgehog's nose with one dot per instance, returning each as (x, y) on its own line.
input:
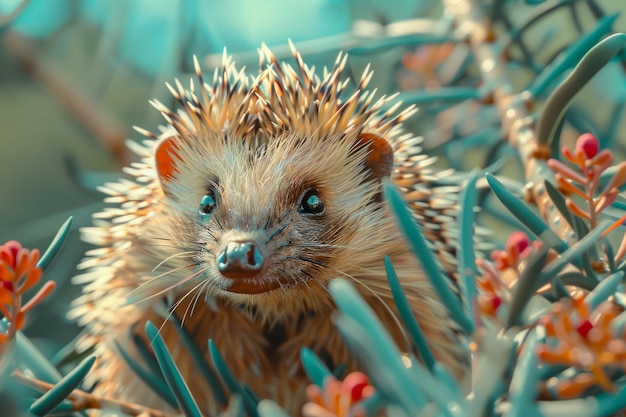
(240, 260)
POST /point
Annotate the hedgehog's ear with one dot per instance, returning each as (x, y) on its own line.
(166, 157)
(379, 161)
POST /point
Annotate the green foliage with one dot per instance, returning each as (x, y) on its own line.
(518, 330)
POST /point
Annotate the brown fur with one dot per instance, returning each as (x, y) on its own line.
(262, 143)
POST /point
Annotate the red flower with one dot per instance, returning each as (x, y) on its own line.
(18, 270)
(18, 273)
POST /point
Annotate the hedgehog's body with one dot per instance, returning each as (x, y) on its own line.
(258, 193)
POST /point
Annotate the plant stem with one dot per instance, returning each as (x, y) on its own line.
(474, 26)
(82, 400)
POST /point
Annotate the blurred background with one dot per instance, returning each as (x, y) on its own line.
(75, 75)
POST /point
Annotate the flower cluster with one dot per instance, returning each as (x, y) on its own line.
(18, 273)
(338, 398)
(585, 184)
(585, 340)
(498, 278)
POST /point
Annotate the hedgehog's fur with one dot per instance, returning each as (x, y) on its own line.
(263, 139)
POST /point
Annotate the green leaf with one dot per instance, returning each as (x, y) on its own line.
(559, 202)
(172, 375)
(604, 289)
(557, 103)
(603, 404)
(576, 279)
(406, 314)
(440, 94)
(315, 369)
(572, 55)
(230, 381)
(426, 257)
(55, 246)
(57, 394)
(467, 258)
(527, 286)
(552, 269)
(155, 382)
(370, 342)
(525, 380)
(28, 354)
(535, 224)
(147, 354)
(198, 358)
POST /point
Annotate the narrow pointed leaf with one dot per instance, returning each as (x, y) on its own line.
(604, 289)
(155, 382)
(467, 258)
(389, 380)
(62, 389)
(28, 354)
(55, 246)
(527, 285)
(525, 380)
(559, 202)
(576, 279)
(415, 238)
(407, 316)
(572, 253)
(367, 337)
(315, 369)
(147, 355)
(230, 381)
(558, 102)
(525, 214)
(172, 375)
(572, 55)
(198, 358)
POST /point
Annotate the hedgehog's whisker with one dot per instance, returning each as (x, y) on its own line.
(366, 287)
(169, 239)
(196, 298)
(199, 287)
(148, 286)
(175, 305)
(176, 255)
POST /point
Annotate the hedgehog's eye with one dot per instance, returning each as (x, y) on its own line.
(311, 203)
(208, 203)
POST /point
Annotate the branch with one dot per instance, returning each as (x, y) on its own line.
(473, 25)
(82, 400)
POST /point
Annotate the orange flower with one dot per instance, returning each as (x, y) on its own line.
(337, 398)
(585, 340)
(18, 269)
(18, 273)
(584, 183)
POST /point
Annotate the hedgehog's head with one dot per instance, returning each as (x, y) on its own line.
(276, 180)
(290, 213)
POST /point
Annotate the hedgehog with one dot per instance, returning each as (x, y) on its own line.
(257, 192)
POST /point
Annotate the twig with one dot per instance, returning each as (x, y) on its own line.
(82, 400)
(473, 24)
(109, 131)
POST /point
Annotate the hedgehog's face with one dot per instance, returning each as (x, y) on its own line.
(288, 214)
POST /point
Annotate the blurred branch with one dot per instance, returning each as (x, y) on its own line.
(110, 132)
(517, 124)
(82, 400)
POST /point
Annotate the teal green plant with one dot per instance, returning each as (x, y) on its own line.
(561, 261)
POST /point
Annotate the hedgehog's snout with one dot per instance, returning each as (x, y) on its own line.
(240, 260)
